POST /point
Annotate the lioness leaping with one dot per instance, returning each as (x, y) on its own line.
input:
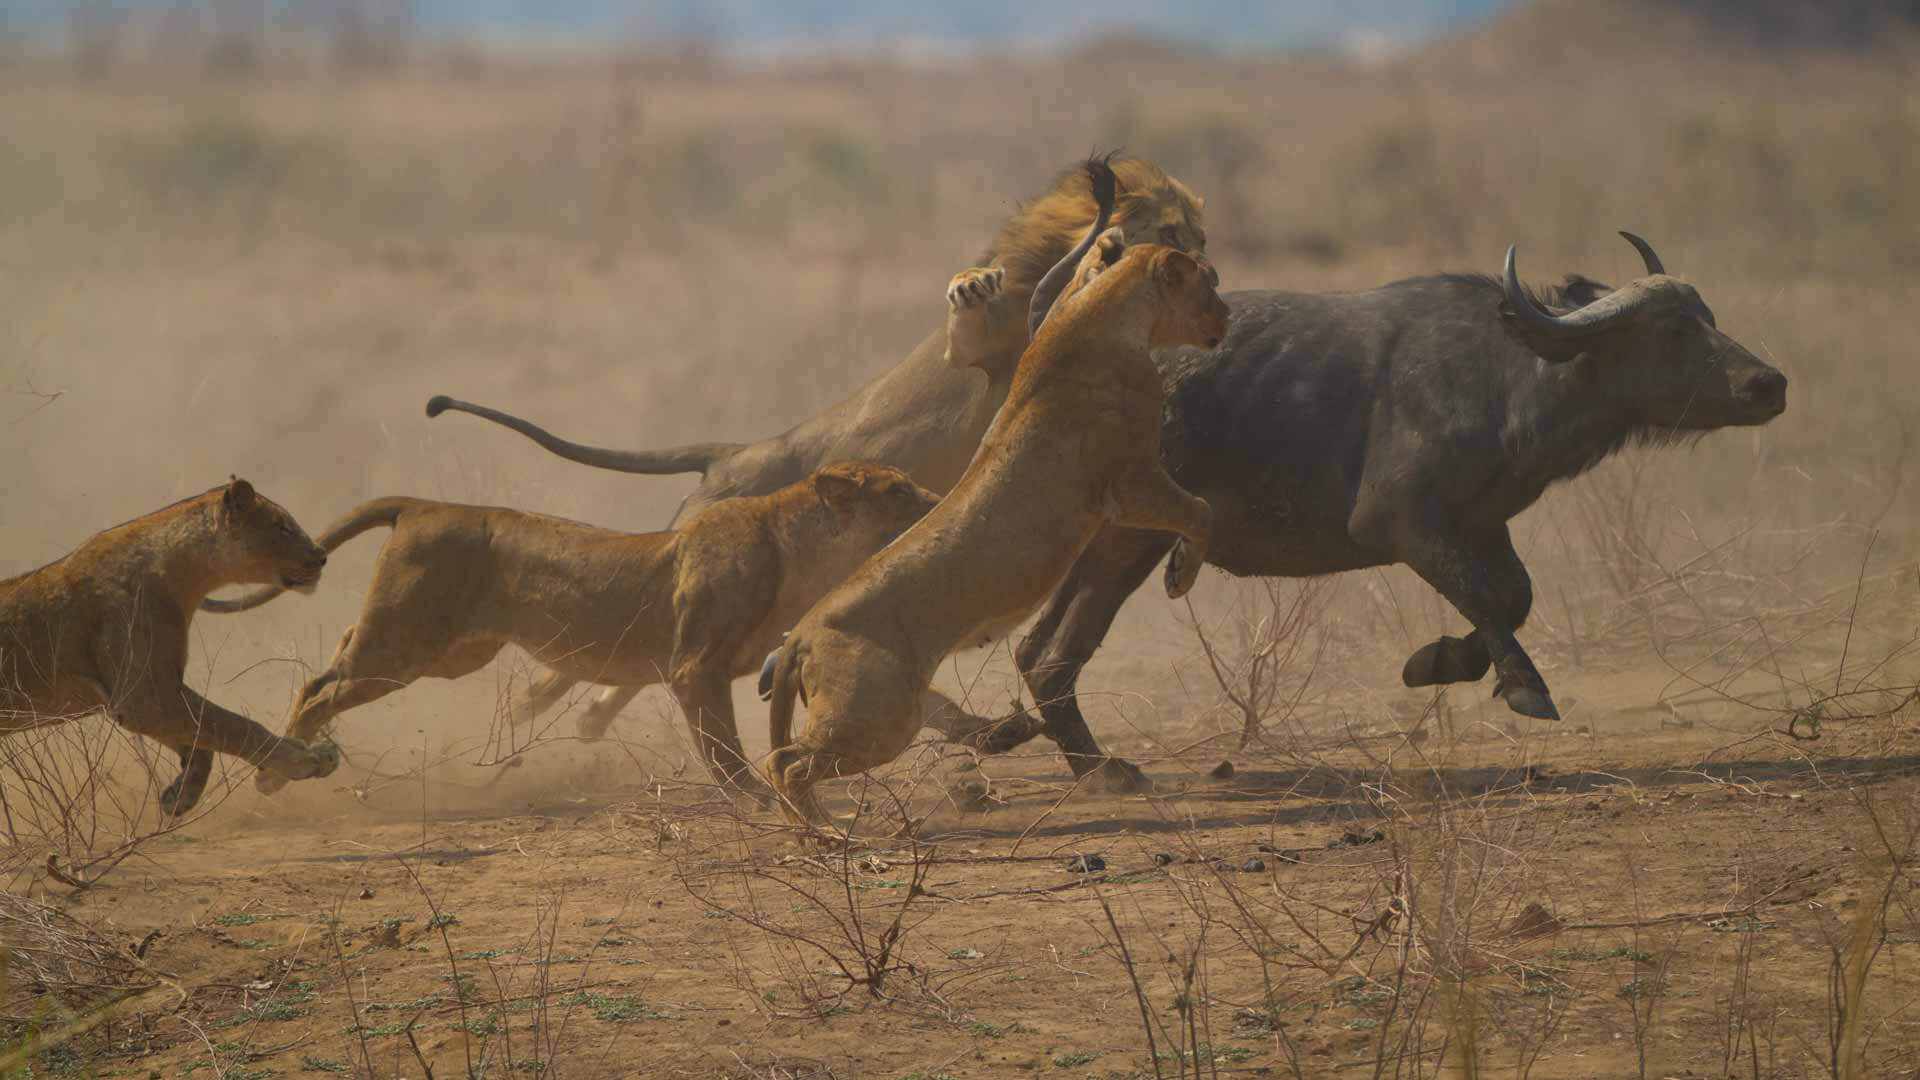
(106, 628)
(1076, 446)
(693, 608)
(927, 413)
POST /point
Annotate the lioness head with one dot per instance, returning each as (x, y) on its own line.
(1187, 309)
(263, 544)
(1150, 207)
(871, 504)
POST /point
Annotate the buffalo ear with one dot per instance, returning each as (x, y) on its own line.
(1581, 290)
(836, 487)
(238, 497)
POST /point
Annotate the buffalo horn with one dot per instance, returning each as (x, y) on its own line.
(1646, 253)
(1591, 319)
(1105, 186)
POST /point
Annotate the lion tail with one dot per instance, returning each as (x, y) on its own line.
(779, 685)
(372, 514)
(694, 457)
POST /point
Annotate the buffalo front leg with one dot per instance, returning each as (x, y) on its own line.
(1070, 628)
(1150, 499)
(1486, 582)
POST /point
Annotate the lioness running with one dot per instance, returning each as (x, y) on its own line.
(694, 608)
(1076, 446)
(105, 628)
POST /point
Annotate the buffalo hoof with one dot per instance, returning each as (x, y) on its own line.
(1119, 777)
(1527, 700)
(1449, 660)
(1182, 570)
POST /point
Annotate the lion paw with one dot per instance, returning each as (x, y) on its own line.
(326, 754)
(971, 288)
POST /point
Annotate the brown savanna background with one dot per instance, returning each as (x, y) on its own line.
(258, 251)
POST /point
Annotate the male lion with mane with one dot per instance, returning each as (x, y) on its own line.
(105, 628)
(1076, 447)
(694, 608)
(925, 415)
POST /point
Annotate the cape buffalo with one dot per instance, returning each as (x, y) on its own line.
(1407, 424)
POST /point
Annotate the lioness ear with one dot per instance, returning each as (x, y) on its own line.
(238, 496)
(836, 489)
(1111, 245)
(1175, 270)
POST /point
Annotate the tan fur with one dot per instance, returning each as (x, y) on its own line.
(694, 608)
(1076, 447)
(106, 628)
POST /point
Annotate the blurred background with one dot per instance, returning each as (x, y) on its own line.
(252, 236)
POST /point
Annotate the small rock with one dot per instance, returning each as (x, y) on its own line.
(1086, 864)
(1161, 858)
(1356, 838)
(1254, 865)
(366, 893)
(1222, 771)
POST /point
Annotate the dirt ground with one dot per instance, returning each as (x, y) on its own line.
(1692, 883)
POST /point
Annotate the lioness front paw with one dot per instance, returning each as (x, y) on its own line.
(971, 288)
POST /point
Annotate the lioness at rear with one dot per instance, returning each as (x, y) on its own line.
(1076, 446)
(693, 608)
(105, 629)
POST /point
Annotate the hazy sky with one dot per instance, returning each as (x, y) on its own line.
(1216, 22)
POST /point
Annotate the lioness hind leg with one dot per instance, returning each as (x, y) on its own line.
(196, 765)
(604, 709)
(705, 696)
(1149, 499)
(539, 697)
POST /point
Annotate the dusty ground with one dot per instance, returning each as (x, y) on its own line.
(625, 930)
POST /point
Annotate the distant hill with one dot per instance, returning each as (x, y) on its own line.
(1545, 34)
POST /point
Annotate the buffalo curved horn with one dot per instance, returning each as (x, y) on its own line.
(1105, 187)
(1603, 313)
(1646, 253)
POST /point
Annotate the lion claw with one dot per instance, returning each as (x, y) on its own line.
(971, 288)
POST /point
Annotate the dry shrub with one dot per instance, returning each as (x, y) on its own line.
(80, 797)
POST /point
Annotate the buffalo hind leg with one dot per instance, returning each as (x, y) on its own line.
(1071, 626)
(1486, 582)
